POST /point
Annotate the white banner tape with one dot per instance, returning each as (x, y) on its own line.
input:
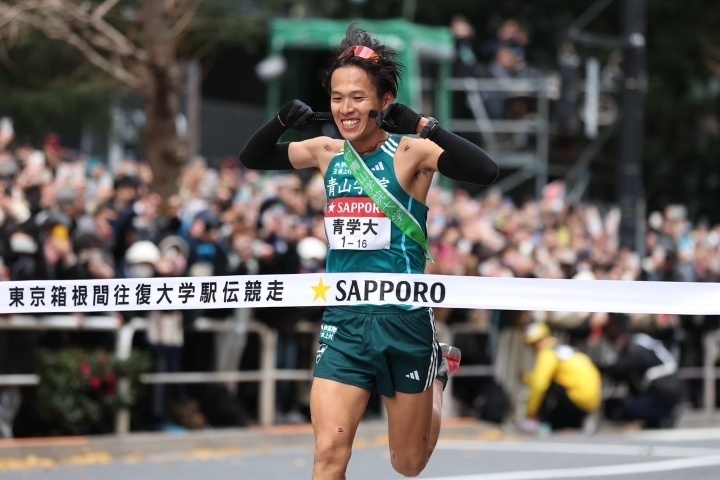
(304, 290)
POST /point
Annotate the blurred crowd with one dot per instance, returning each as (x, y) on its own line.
(67, 216)
(501, 58)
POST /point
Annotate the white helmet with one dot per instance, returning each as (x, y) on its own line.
(142, 251)
(312, 248)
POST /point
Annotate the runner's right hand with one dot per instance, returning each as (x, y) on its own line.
(295, 114)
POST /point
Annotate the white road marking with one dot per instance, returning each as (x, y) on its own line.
(587, 472)
(575, 448)
(678, 435)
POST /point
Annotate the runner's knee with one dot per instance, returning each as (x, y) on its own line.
(333, 449)
(408, 465)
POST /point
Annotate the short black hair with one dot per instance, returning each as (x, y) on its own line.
(385, 74)
(127, 181)
(618, 325)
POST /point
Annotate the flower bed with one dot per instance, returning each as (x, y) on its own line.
(78, 391)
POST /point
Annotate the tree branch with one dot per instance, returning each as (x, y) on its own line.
(9, 13)
(712, 59)
(103, 9)
(105, 36)
(68, 22)
(85, 26)
(183, 23)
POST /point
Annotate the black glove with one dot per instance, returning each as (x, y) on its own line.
(399, 118)
(295, 114)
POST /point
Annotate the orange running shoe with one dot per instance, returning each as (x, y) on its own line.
(450, 363)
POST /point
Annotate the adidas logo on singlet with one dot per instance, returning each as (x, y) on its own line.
(378, 168)
(414, 375)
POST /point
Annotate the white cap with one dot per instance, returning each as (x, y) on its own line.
(584, 275)
(143, 251)
(312, 248)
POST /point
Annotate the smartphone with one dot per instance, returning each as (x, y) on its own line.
(6, 126)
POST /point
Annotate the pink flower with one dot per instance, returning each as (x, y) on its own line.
(111, 384)
(95, 383)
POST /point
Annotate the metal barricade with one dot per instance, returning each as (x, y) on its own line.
(711, 344)
(708, 372)
(95, 323)
(266, 376)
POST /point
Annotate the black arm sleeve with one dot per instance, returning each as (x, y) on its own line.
(262, 152)
(463, 160)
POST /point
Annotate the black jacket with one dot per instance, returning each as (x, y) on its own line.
(647, 367)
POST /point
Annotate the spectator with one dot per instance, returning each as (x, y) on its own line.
(13, 353)
(504, 66)
(565, 386)
(275, 229)
(94, 263)
(170, 403)
(229, 346)
(126, 191)
(505, 58)
(207, 255)
(7, 132)
(651, 374)
(511, 34)
(489, 235)
(466, 63)
(55, 258)
(140, 218)
(206, 251)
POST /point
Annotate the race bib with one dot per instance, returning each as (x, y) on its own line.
(356, 224)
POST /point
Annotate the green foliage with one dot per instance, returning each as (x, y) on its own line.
(682, 107)
(78, 391)
(46, 84)
(682, 103)
(50, 85)
(221, 22)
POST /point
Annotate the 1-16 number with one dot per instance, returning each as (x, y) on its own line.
(361, 244)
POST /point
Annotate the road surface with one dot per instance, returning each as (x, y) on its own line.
(467, 451)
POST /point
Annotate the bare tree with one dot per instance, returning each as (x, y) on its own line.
(135, 44)
(712, 59)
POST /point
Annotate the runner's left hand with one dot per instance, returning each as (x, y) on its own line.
(399, 118)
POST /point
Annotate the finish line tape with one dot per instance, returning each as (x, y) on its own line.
(338, 289)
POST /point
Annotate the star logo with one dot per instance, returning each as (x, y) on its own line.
(320, 290)
(331, 207)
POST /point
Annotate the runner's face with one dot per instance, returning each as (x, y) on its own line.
(352, 97)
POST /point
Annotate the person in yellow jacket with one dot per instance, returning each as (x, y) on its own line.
(565, 385)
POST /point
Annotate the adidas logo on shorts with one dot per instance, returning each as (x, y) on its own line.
(414, 375)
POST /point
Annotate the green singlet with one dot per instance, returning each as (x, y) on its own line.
(390, 348)
(361, 237)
